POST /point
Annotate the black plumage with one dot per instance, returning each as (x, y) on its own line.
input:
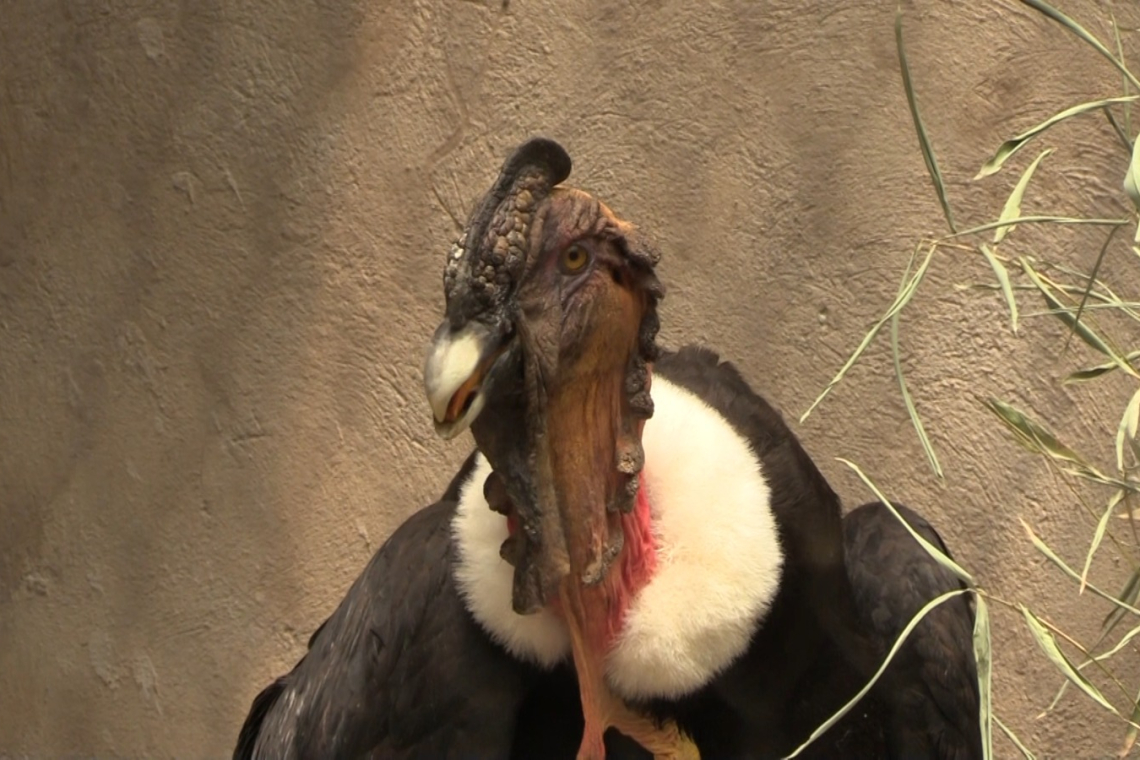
(401, 669)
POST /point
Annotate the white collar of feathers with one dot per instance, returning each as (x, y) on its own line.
(718, 559)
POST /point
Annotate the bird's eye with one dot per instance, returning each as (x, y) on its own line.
(574, 259)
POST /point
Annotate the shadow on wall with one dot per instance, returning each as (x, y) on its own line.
(165, 175)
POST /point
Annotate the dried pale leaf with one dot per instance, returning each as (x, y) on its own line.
(1013, 738)
(1003, 280)
(930, 548)
(984, 657)
(1049, 646)
(923, 140)
(1127, 427)
(1098, 536)
(1012, 208)
(914, 621)
(1014, 144)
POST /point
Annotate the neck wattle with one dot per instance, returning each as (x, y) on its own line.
(634, 568)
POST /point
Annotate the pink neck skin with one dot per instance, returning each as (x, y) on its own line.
(631, 573)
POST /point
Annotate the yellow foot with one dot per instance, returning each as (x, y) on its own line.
(666, 741)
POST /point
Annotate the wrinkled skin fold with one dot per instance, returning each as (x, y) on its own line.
(546, 354)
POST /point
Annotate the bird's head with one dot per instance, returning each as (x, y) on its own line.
(546, 354)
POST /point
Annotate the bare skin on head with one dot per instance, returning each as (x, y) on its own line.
(553, 379)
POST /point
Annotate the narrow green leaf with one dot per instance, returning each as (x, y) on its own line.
(983, 656)
(1032, 435)
(1132, 176)
(1040, 220)
(901, 300)
(1132, 183)
(1080, 328)
(1014, 144)
(1092, 278)
(1124, 85)
(1127, 427)
(1003, 280)
(919, 128)
(1098, 536)
(1120, 133)
(1013, 738)
(1042, 547)
(908, 400)
(1128, 596)
(1080, 31)
(1084, 375)
(1012, 208)
(932, 550)
(914, 621)
(1048, 644)
(1130, 735)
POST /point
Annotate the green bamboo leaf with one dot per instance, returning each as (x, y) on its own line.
(983, 656)
(1012, 208)
(1014, 144)
(1080, 328)
(1049, 646)
(930, 548)
(914, 621)
(919, 128)
(901, 300)
(1130, 735)
(1098, 536)
(1013, 738)
(1042, 547)
(1039, 219)
(1084, 375)
(1132, 176)
(1032, 435)
(1124, 85)
(1128, 596)
(1127, 427)
(1081, 32)
(908, 401)
(1003, 280)
(1092, 279)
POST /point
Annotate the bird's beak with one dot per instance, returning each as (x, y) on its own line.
(457, 372)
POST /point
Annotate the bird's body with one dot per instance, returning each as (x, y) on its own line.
(640, 550)
(403, 669)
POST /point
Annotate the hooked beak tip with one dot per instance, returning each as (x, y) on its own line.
(456, 366)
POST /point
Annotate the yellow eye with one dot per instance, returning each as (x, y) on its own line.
(574, 259)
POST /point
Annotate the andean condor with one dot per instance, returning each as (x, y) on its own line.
(639, 559)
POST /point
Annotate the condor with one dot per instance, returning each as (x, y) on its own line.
(640, 559)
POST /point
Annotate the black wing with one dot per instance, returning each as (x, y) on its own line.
(936, 710)
(399, 668)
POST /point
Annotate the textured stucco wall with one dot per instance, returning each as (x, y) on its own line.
(222, 229)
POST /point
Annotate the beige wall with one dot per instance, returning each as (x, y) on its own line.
(222, 230)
